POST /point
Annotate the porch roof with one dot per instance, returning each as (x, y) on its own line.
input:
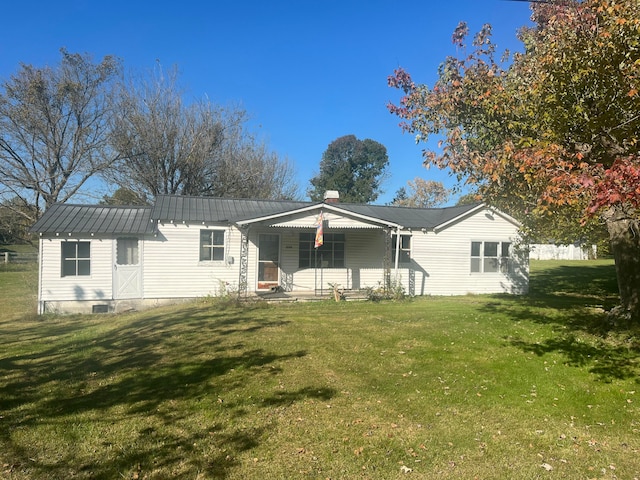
(359, 219)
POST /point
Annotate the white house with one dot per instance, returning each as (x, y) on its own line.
(96, 258)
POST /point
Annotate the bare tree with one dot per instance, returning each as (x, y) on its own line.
(53, 130)
(244, 167)
(422, 194)
(197, 148)
(166, 143)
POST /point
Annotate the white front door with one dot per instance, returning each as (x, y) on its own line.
(268, 261)
(127, 269)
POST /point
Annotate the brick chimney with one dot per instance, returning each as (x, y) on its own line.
(331, 196)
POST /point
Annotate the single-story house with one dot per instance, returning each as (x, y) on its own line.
(96, 258)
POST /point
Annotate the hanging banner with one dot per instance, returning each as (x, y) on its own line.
(319, 231)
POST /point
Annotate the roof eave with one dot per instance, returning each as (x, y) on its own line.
(456, 219)
(471, 211)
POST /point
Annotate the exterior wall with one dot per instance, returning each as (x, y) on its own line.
(441, 261)
(365, 253)
(172, 266)
(94, 288)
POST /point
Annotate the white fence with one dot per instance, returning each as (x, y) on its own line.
(13, 257)
(548, 251)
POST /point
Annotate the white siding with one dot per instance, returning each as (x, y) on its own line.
(172, 266)
(55, 287)
(365, 258)
(442, 260)
(331, 220)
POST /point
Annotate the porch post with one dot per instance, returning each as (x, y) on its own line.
(244, 262)
(397, 252)
(387, 259)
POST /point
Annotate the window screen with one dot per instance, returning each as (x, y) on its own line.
(329, 255)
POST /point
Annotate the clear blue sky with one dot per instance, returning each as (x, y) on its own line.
(307, 72)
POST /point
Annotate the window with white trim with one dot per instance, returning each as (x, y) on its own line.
(490, 257)
(76, 259)
(211, 245)
(405, 248)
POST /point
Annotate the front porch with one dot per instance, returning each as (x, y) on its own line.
(280, 296)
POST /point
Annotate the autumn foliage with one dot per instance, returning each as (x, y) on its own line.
(550, 132)
(561, 118)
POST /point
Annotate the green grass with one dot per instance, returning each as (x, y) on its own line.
(19, 248)
(496, 386)
(18, 292)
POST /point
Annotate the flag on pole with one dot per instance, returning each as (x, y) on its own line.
(319, 232)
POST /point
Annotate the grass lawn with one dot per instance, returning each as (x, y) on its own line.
(460, 387)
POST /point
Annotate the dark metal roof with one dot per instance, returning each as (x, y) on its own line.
(428, 218)
(180, 208)
(99, 219)
(94, 219)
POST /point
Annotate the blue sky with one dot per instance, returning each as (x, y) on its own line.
(307, 72)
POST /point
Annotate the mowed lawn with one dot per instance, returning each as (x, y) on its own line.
(488, 387)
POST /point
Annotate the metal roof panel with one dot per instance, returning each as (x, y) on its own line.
(94, 219)
(63, 218)
(179, 208)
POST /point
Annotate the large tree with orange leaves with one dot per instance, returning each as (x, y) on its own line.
(552, 133)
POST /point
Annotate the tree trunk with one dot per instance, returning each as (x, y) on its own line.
(624, 235)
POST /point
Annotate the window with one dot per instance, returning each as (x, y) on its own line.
(330, 253)
(488, 257)
(405, 248)
(76, 259)
(127, 251)
(211, 245)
